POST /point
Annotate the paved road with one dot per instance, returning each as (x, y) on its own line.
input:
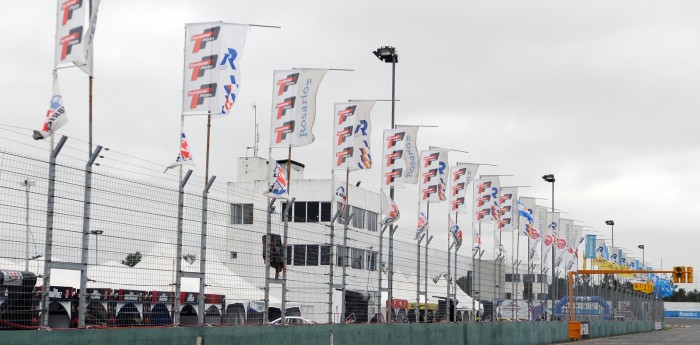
(678, 331)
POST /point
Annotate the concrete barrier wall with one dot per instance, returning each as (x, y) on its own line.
(598, 329)
(500, 333)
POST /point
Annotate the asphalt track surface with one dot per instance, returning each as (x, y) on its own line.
(678, 331)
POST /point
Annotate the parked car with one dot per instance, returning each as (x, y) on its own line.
(293, 320)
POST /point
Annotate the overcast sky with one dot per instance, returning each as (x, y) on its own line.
(603, 94)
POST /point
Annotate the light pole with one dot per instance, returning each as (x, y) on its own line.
(550, 178)
(644, 265)
(390, 55)
(97, 243)
(27, 184)
(612, 245)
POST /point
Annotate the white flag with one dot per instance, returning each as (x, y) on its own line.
(393, 164)
(212, 71)
(476, 239)
(88, 50)
(276, 181)
(340, 197)
(433, 179)
(507, 203)
(422, 226)
(353, 128)
(456, 231)
(486, 194)
(390, 209)
(56, 115)
(69, 32)
(184, 158)
(410, 154)
(460, 177)
(294, 106)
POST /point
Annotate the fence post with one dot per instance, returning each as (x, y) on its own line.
(345, 264)
(48, 245)
(203, 252)
(330, 268)
(268, 241)
(287, 214)
(178, 255)
(84, 250)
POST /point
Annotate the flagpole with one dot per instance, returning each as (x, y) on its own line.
(418, 243)
(345, 239)
(90, 94)
(427, 241)
(206, 169)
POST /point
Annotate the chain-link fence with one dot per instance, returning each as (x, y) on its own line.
(110, 241)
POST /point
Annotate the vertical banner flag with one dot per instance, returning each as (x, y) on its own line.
(69, 32)
(601, 251)
(526, 211)
(456, 231)
(614, 255)
(541, 226)
(423, 225)
(433, 171)
(506, 201)
(340, 196)
(56, 115)
(184, 158)
(392, 210)
(276, 181)
(476, 239)
(486, 194)
(212, 72)
(352, 131)
(460, 177)
(553, 223)
(400, 157)
(88, 50)
(565, 230)
(410, 154)
(591, 247)
(294, 106)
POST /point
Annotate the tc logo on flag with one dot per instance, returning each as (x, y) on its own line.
(343, 155)
(455, 189)
(483, 200)
(287, 104)
(74, 37)
(430, 158)
(282, 131)
(427, 192)
(285, 83)
(429, 175)
(198, 96)
(482, 214)
(198, 68)
(483, 187)
(392, 175)
(344, 134)
(200, 40)
(457, 203)
(392, 157)
(345, 113)
(459, 173)
(68, 7)
(392, 140)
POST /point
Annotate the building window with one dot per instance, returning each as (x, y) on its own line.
(312, 212)
(312, 255)
(358, 258)
(289, 255)
(372, 261)
(542, 278)
(325, 255)
(241, 213)
(342, 256)
(299, 255)
(358, 218)
(509, 295)
(372, 221)
(325, 211)
(300, 212)
(234, 255)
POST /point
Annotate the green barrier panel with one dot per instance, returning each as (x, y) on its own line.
(497, 333)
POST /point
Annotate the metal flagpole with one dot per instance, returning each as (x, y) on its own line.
(90, 96)
(345, 244)
(425, 276)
